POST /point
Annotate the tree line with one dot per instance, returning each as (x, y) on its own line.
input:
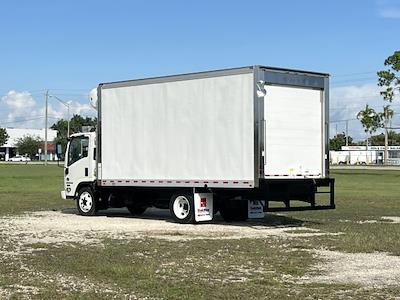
(29, 145)
(339, 140)
(372, 120)
(389, 79)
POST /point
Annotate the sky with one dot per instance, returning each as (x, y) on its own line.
(69, 47)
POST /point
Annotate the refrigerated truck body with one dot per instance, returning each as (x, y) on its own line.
(205, 142)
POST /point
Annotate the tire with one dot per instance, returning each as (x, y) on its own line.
(136, 210)
(86, 202)
(234, 210)
(181, 207)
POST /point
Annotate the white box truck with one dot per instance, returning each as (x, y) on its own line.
(205, 142)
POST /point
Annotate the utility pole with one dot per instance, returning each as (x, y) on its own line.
(386, 156)
(385, 159)
(67, 104)
(347, 142)
(45, 127)
(69, 119)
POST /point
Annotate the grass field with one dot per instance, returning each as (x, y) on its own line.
(241, 268)
(30, 187)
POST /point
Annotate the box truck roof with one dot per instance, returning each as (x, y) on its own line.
(205, 74)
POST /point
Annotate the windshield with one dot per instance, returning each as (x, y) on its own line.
(78, 148)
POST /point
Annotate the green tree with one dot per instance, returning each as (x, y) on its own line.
(62, 128)
(386, 115)
(393, 138)
(379, 139)
(390, 79)
(370, 120)
(338, 141)
(29, 145)
(76, 124)
(3, 136)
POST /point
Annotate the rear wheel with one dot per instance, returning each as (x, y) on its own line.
(86, 202)
(181, 207)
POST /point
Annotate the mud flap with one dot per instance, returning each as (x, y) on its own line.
(256, 209)
(203, 207)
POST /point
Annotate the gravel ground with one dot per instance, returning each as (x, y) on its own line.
(55, 227)
(368, 269)
(67, 226)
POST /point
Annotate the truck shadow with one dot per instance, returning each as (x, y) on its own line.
(270, 220)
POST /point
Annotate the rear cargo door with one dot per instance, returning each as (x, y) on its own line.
(293, 132)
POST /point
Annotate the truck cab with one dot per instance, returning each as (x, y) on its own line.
(80, 164)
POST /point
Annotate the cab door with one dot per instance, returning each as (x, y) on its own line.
(78, 164)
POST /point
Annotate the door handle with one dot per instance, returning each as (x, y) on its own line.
(66, 171)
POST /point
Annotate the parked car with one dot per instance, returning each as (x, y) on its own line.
(20, 158)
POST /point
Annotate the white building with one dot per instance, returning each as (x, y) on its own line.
(9, 148)
(360, 155)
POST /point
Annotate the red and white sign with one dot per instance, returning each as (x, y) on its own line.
(203, 207)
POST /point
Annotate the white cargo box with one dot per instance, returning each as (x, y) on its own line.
(213, 128)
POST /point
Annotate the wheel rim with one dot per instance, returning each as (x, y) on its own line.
(85, 202)
(181, 207)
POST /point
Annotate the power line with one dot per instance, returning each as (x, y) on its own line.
(69, 89)
(353, 74)
(351, 97)
(355, 106)
(356, 79)
(351, 82)
(22, 120)
(352, 119)
(31, 119)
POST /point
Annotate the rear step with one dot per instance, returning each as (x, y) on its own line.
(325, 182)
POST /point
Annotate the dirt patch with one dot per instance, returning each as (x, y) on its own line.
(393, 219)
(382, 220)
(57, 227)
(22, 290)
(377, 269)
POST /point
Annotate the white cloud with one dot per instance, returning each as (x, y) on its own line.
(347, 101)
(18, 104)
(389, 9)
(60, 111)
(21, 110)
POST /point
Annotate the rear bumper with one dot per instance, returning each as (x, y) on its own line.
(301, 190)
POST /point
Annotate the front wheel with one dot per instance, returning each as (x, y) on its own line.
(181, 207)
(86, 202)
